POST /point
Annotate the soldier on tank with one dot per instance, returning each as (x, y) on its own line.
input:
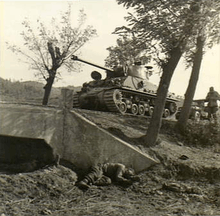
(105, 174)
(212, 98)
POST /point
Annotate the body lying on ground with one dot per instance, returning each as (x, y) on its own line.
(105, 174)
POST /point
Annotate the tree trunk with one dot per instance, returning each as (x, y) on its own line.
(190, 92)
(168, 69)
(47, 89)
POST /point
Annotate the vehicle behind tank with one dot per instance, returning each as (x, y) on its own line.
(198, 111)
(125, 90)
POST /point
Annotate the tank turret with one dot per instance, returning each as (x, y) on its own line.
(125, 90)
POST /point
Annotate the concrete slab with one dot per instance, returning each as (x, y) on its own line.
(86, 144)
(73, 137)
(33, 122)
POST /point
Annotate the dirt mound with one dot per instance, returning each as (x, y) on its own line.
(189, 162)
(36, 192)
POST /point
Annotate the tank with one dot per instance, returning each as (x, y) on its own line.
(124, 90)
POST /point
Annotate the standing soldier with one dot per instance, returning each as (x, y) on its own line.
(212, 98)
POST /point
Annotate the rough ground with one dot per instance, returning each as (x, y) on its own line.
(187, 182)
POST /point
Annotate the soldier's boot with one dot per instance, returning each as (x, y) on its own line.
(103, 181)
(84, 184)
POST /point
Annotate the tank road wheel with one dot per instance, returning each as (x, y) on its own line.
(122, 107)
(134, 109)
(112, 100)
(117, 97)
(172, 108)
(150, 111)
(166, 113)
(141, 109)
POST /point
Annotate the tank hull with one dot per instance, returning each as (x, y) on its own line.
(124, 90)
(122, 100)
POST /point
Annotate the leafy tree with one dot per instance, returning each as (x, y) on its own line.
(165, 27)
(50, 48)
(126, 52)
(208, 35)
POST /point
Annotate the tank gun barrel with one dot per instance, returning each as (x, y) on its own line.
(75, 58)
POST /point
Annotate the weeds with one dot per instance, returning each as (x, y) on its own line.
(197, 134)
(202, 134)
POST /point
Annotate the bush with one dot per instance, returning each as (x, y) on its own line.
(202, 134)
(198, 134)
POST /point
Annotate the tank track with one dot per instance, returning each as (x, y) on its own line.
(125, 101)
(110, 103)
(76, 101)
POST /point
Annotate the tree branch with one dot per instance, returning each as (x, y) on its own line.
(38, 48)
(51, 51)
(168, 9)
(35, 62)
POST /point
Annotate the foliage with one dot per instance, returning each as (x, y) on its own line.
(16, 91)
(49, 48)
(195, 50)
(28, 92)
(202, 134)
(126, 52)
(163, 24)
(164, 27)
(198, 134)
(208, 27)
(169, 28)
(52, 46)
(158, 25)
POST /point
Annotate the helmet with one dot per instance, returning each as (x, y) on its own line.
(211, 89)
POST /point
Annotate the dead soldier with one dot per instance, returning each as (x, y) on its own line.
(105, 174)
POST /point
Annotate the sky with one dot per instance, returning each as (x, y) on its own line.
(104, 16)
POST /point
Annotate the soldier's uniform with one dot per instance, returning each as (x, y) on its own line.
(105, 174)
(212, 98)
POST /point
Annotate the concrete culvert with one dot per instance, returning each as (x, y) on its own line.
(20, 154)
